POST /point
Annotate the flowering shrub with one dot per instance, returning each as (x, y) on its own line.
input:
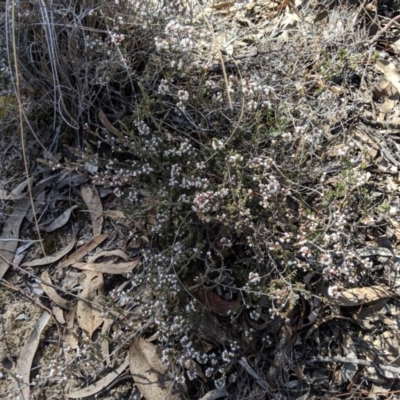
(226, 169)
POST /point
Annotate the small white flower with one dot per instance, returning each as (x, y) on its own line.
(254, 277)
(333, 291)
(217, 144)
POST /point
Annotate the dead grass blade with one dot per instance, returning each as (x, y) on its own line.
(100, 384)
(53, 258)
(150, 373)
(83, 250)
(24, 363)
(90, 316)
(92, 200)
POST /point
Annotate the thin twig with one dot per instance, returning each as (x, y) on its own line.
(384, 29)
(18, 96)
(345, 360)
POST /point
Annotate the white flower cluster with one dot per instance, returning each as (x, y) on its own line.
(254, 277)
(325, 259)
(287, 137)
(206, 202)
(268, 189)
(333, 291)
(150, 145)
(203, 202)
(257, 93)
(25, 13)
(305, 252)
(235, 158)
(225, 243)
(260, 162)
(163, 87)
(142, 127)
(184, 148)
(175, 7)
(358, 178)
(115, 176)
(217, 144)
(179, 38)
(116, 39)
(93, 43)
(194, 182)
(183, 97)
(174, 175)
(347, 267)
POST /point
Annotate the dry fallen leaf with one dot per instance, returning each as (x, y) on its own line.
(390, 72)
(346, 373)
(386, 345)
(105, 350)
(58, 314)
(89, 315)
(219, 6)
(358, 296)
(108, 253)
(21, 187)
(215, 304)
(24, 363)
(215, 394)
(52, 293)
(386, 107)
(53, 258)
(108, 268)
(119, 216)
(11, 231)
(10, 234)
(92, 200)
(384, 89)
(71, 180)
(83, 250)
(69, 336)
(395, 46)
(60, 221)
(101, 383)
(151, 374)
